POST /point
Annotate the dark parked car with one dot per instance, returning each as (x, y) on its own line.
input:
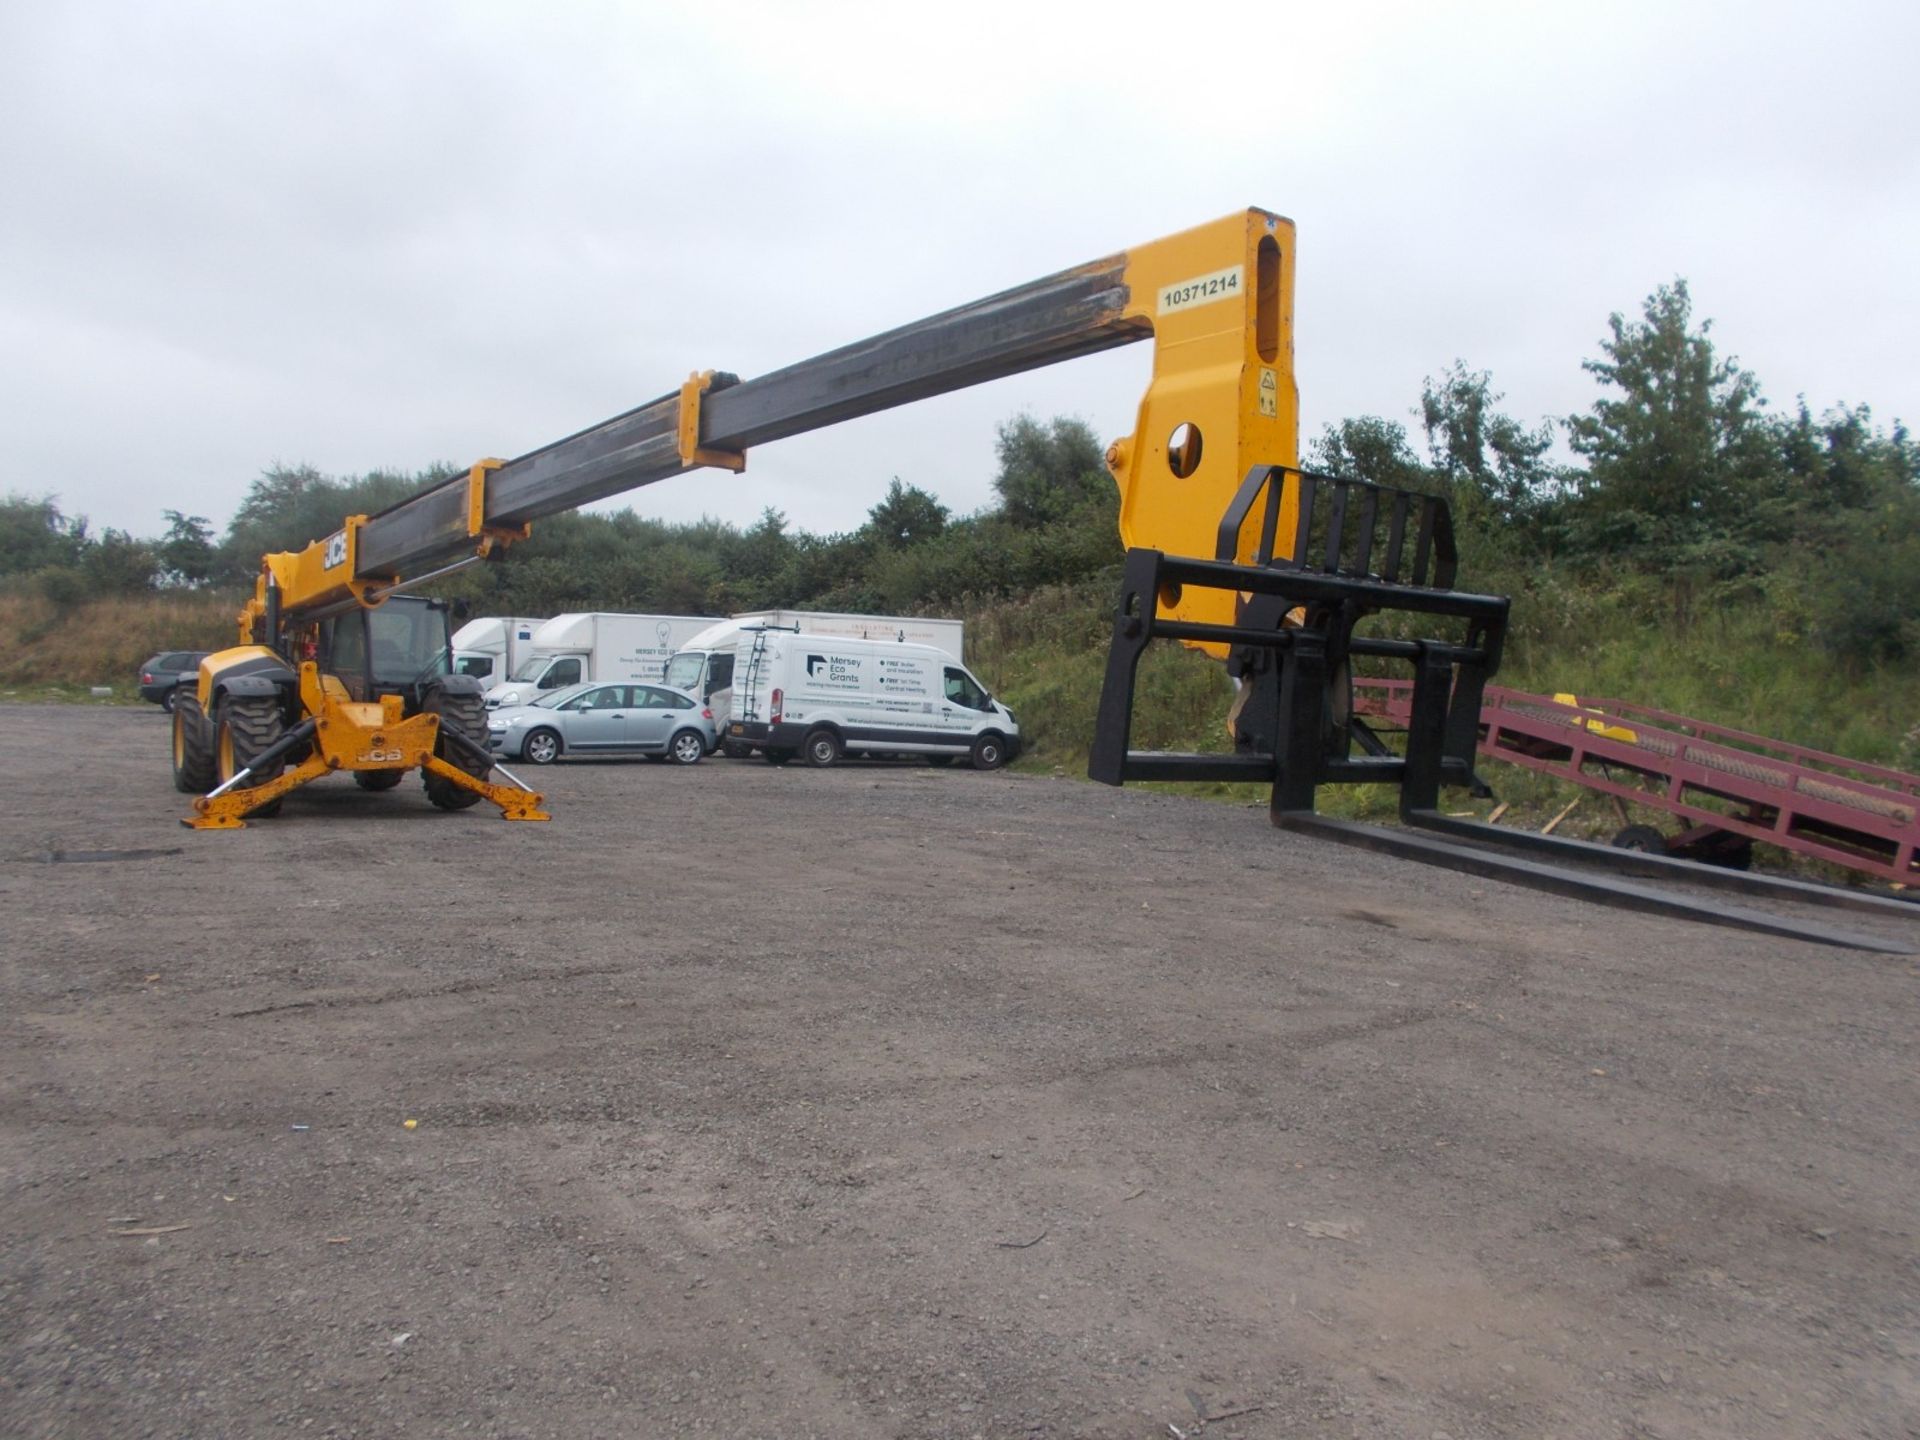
(163, 672)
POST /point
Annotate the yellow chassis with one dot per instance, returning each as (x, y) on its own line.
(356, 735)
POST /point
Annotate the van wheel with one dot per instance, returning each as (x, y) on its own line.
(989, 752)
(822, 748)
(778, 757)
(735, 750)
(686, 748)
(939, 761)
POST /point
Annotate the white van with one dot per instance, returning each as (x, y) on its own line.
(819, 696)
(595, 646)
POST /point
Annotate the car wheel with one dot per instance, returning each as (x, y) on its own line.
(167, 700)
(688, 747)
(939, 761)
(542, 747)
(822, 748)
(989, 752)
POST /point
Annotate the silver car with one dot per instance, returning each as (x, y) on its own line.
(593, 719)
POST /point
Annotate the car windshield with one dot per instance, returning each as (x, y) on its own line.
(683, 671)
(553, 699)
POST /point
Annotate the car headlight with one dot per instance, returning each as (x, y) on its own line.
(496, 726)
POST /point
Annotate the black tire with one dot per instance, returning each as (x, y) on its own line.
(170, 699)
(464, 715)
(989, 751)
(822, 748)
(192, 746)
(778, 757)
(687, 747)
(245, 727)
(736, 750)
(1643, 838)
(378, 779)
(939, 762)
(541, 747)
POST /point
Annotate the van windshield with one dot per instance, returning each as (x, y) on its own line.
(531, 669)
(683, 670)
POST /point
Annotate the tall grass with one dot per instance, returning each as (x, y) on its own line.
(102, 642)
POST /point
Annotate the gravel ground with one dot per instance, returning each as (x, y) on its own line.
(888, 1101)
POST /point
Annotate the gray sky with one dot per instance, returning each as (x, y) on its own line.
(361, 235)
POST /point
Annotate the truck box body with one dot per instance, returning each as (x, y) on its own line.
(705, 665)
(492, 647)
(572, 648)
(878, 696)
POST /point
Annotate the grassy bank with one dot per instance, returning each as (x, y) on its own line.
(61, 651)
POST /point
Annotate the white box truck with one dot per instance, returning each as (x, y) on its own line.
(819, 696)
(705, 664)
(571, 648)
(492, 647)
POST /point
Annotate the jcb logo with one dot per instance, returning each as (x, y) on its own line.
(377, 757)
(336, 551)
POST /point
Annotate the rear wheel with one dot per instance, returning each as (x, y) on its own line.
(989, 752)
(192, 746)
(542, 747)
(1643, 838)
(464, 715)
(822, 748)
(170, 699)
(687, 747)
(245, 728)
(734, 750)
(937, 761)
(778, 757)
(377, 779)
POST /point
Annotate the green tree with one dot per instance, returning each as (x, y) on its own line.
(1372, 449)
(1678, 453)
(35, 535)
(906, 516)
(1496, 469)
(186, 553)
(1049, 471)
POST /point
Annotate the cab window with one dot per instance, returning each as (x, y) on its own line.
(479, 665)
(962, 690)
(719, 673)
(561, 672)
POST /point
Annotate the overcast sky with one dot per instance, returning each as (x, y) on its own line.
(385, 235)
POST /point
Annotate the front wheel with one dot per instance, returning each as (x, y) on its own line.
(939, 761)
(989, 752)
(734, 750)
(687, 747)
(465, 716)
(378, 779)
(778, 757)
(542, 747)
(822, 748)
(246, 727)
(192, 746)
